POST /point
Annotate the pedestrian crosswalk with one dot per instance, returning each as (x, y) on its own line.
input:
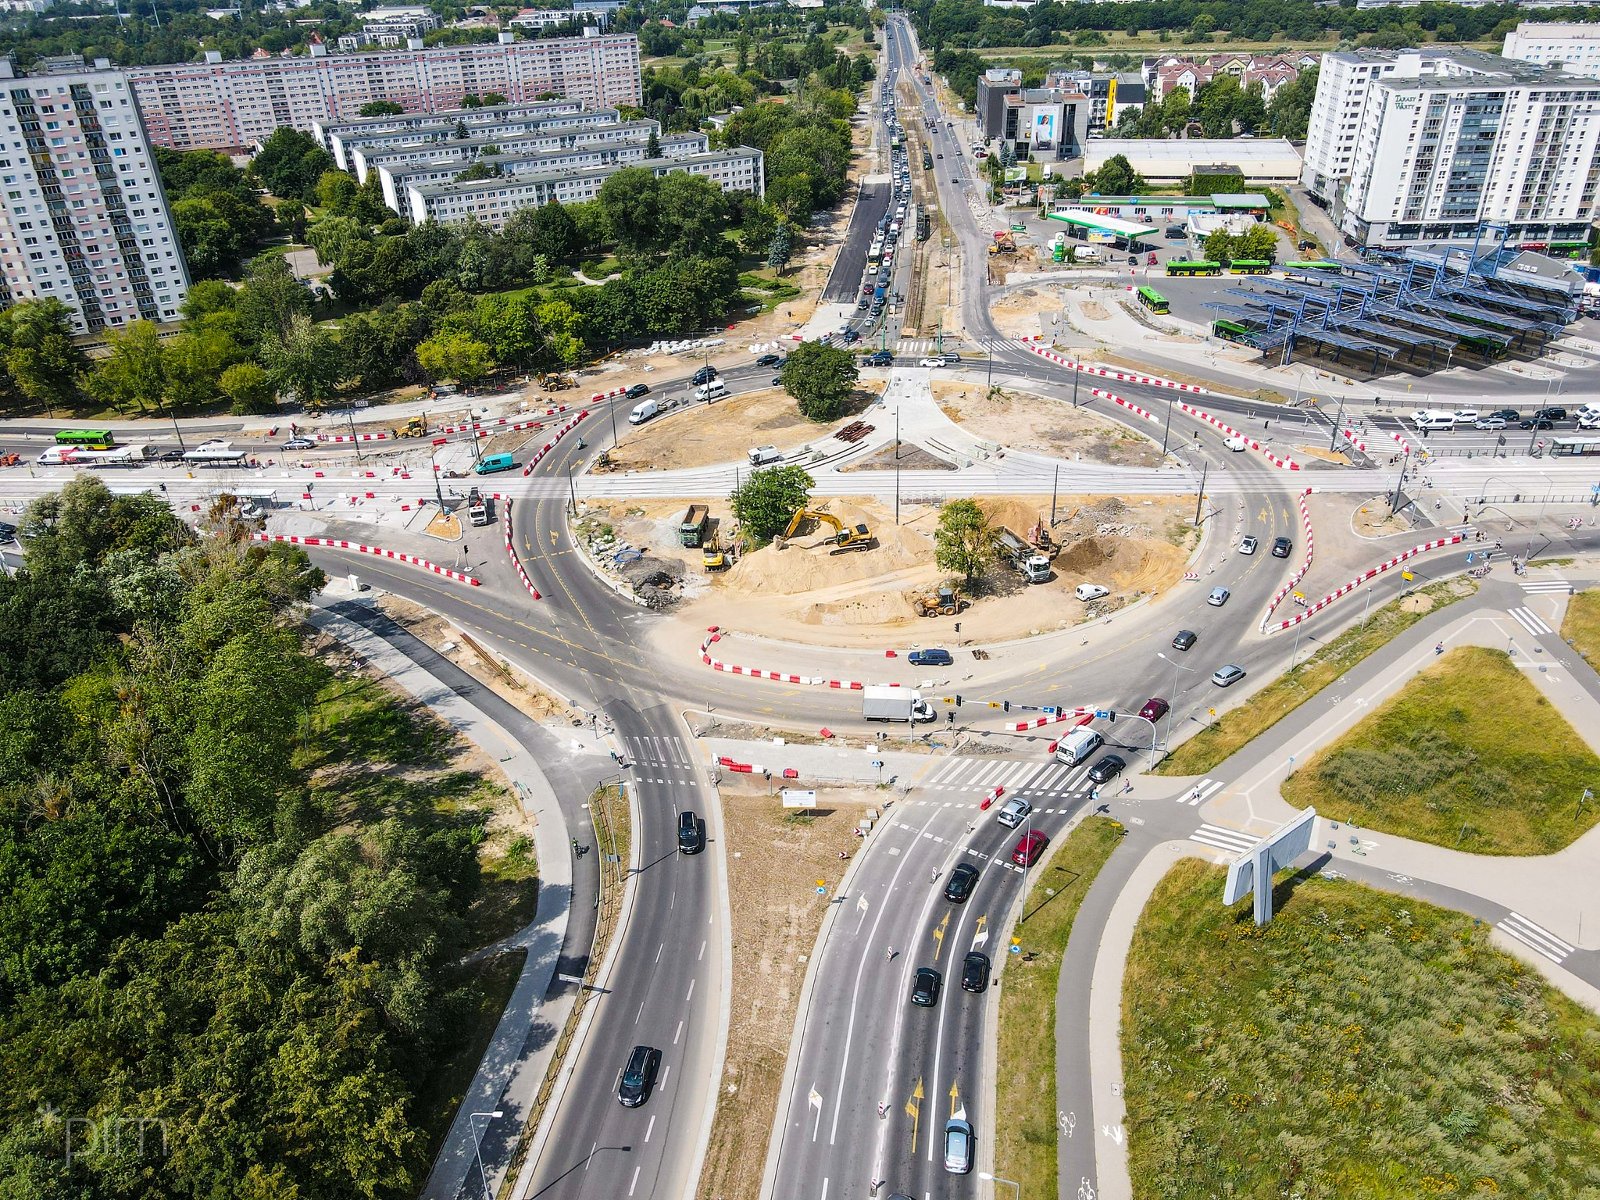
(915, 347)
(658, 751)
(1535, 937)
(1033, 778)
(1232, 841)
(1530, 621)
(1200, 792)
(1548, 583)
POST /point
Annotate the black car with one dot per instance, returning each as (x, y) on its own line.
(639, 1076)
(851, 337)
(769, 360)
(1506, 414)
(962, 880)
(1281, 547)
(170, 456)
(878, 358)
(1184, 639)
(690, 840)
(925, 987)
(862, 305)
(705, 374)
(637, 390)
(8, 532)
(1555, 414)
(975, 971)
(1538, 423)
(1107, 769)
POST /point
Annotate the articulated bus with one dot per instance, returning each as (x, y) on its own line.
(86, 439)
(1230, 331)
(1574, 447)
(1487, 347)
(1199, 267)
(1152, 299)
(1249, 266)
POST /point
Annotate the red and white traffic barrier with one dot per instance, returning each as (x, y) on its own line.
(1287, 464)
(377, 551)
(608, 395)
(991, 796)
(1405, 446)
(1032, 343)
(1366, 576)
(714, 635)
(1305, 565)
(1101, 392)
(1350, 436)
(511, 550)
(1066, 714)
(550, 445)
(355, 437)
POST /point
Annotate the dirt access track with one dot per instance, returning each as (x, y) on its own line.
(1021, 421)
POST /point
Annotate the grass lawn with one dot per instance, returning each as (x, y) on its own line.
(1581, 626)
(763, 289)
(1470, 755)
(1236, 729)
(1025, 1141)
(1362, 1045)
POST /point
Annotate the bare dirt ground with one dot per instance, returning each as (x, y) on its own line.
(1043, 425)
(909, 458)
(1017, 314)
(774, 862)
(1372, 519)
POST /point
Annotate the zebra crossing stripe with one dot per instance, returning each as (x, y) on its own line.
(1200, 793)
(1230, 840)
(1530, 621)
(1546, 585)
(1534, 937)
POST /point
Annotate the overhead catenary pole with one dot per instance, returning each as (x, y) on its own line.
(1394, 505)
(1201, 498)
(1168, 429)
(1338, 421)
(1055, 484)
(1076, 371)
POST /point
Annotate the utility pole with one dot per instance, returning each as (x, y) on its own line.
(1337, 422)
(1076, 371)
(1055, 483)
(1168, 430)
(351, 417)
(1394, 505)
(1201, 498)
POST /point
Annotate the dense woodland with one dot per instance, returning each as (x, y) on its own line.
(217, 977)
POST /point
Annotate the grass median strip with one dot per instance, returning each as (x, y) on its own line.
(1363, 1044)
(1026, 1136)
(1581, 626)
(1471, 755)
(1238, 728)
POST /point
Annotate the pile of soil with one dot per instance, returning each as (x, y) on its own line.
(808, 563)
(1047, 426)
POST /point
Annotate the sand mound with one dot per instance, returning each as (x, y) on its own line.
(1089, 555)
(807, 564)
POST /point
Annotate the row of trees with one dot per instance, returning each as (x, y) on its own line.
(227, 977)
(1256, 243)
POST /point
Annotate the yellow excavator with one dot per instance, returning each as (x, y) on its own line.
(413, 427)
(856, 537)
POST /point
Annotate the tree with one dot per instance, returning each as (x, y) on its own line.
(630, 201)
(303, 360)
(133, 375)
(1289, 112)
(475, 172)
(195, 360)
(1218, 246)
(692, 213)
(381, 108)
(652, 146)
(269, 300)
(291, 164)
(336, 192)
(291, 218)
(455, 356)
(1257, 242)
(547, 231)
(471, 100)
(248, 388)
(38, 352)
(493, 99)
(778, 248)
(766, 501)
(1116, 177)
(820, 378)
(963, 541)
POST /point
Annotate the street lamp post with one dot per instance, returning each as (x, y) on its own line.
(1168, 430)
(985, 1175)
(477, 1145)
(1172, 707)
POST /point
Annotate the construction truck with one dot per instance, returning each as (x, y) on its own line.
(1035, 567)
(414, 427)
(947, 603)
(556, 382)
(478, 508)
(856, 537)
(713, 557)
(1003, 243)
(894, 704)
(692, 529)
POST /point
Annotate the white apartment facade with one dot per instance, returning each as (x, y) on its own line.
(343, 139)
(492, 201)
(231, 105)
(83, 217)
(1411, 146)
(1573, 47)
(393, 154)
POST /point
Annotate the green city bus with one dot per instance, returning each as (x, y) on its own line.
(1230, 331)
(1316, 264)
(1153, 300)
(1249, 266)
(1198, 267)
(1487, 347)
(86, 439)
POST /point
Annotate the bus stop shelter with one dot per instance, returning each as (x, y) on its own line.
(1107, 228)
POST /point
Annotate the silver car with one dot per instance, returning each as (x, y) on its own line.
(957, 1146)
(1014, 812)
(1227, 676)
(1218, 597)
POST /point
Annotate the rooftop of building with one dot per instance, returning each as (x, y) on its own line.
(400, 171)
(406, 122)
(643, 127)
(522, 179)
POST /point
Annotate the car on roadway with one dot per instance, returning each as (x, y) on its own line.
(931, 657)
(770, 360)
(637, 390)
(1107, 769)
(639, 1076)
(1489, 423)
(1281, 547)
(1466, 415)
(777, 381)
(940, 154)
(294, 443)
(213, 444)
(851, 337)
(704, 375)
(1218, 597)
(958, 1146)
(1013, 812)
(925, 985)
(866, 288)
(962, 880)
(879, 358)
(8, 532)
(863, 305)
(170, 456)
(1028, 848)
(1184, 639)
(1510, 414)
(975, 969)
(930, 362)
(1236, 444)
(1538, 423)
(1554, 414)
(1227, 676)
(1154, 709)
(1248, 546)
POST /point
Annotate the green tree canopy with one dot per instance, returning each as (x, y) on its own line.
(964, 540)
(41, 360)
(767, 499)
(820, 378)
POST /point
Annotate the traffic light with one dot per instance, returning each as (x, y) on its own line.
(958, 699)
(1112, 716)
(1006, 704)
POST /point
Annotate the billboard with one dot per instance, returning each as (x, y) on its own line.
(1111, 102)
(1252, 871)
(1044, 128)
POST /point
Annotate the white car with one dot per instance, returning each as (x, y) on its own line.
(1014, 812)
(1218, 597)
(1248, 546)
(1465, 414)
(931, 362)
(1489, 423)
(1235, 444)
(300, 443)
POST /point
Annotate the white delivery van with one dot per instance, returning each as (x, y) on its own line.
(1090, 591)
(760, 456)
(643, 411)
(1088, 254)
(1077, 746)
(711, 391)
(55, 456)
(1441, 420)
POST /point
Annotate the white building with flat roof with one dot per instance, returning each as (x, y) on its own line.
(342, 138)
(1573, 47)
(84, 219)
(1267, 160)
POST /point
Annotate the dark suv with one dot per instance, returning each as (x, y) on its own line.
(689, 839)
(639, 1076)
(962, 880)
(878, 358)
(705, 375)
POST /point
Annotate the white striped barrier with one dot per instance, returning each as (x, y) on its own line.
(991, 796)
(1364, 577)
(377, 551)
(1052, 356)
(355, 437)
(1305, 565)
(550, 445)
(1287, 464)
(611, 395)
(1350, 436)
(1405, 446)
(502, 424)
(511, 550)
(714, 634)
(1108, 373)
(1066, 714)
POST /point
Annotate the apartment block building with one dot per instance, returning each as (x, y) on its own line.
(84, 219)
(1418, 146)
(492, 201)
(232, 105)
(1573, 47)
(343, 139)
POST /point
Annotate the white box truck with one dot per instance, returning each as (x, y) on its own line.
(894, 704)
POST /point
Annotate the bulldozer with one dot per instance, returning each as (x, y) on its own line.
(855, 537)
(412, 427)
(947, 603)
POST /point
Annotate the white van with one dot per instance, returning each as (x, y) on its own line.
(1589, 418)
(1077, 746)
(643, 411)
(55, 456)
(711, 391)
(760, 456)
(1441, 420)
(1090, 591)
(1088, 254)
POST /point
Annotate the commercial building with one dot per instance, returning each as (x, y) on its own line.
(343, 139)
(390, 27)
(492, 201)
(1572, 47)
(1263, 160)
(1427, 145)
(233, 105)
(1056, 120)
(84, 218)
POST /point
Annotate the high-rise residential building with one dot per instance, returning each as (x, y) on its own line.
(1426, 145)
(232, 105)
(84, 219)
(1572, 47)
(345, 140)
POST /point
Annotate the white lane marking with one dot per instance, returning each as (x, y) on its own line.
(675, 1038)
(635, 1182)
(1200, 793)
(650, 1128)
(690, 996)
(1535, 937)
(701, 956)
(589, 1162)
(1231, 840)
(659, 948)
(639, 1014)
(1530, 621)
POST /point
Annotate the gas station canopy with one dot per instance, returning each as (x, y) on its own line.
(1112, 225)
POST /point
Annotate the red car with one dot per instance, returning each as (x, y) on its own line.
(1154, 709)
(1029, 848)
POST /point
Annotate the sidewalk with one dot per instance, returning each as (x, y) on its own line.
(519, 1053)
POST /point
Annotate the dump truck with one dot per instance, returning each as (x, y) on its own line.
(1003, 243)
(692, 529)
(894, 704)
(477, 508)
(1035, 567)
(413, 427)
(947, 603)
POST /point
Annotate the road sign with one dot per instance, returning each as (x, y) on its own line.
(1102, 713)
(822, 887)
(1252, 871)
(1407, 576)
(1470, 557)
